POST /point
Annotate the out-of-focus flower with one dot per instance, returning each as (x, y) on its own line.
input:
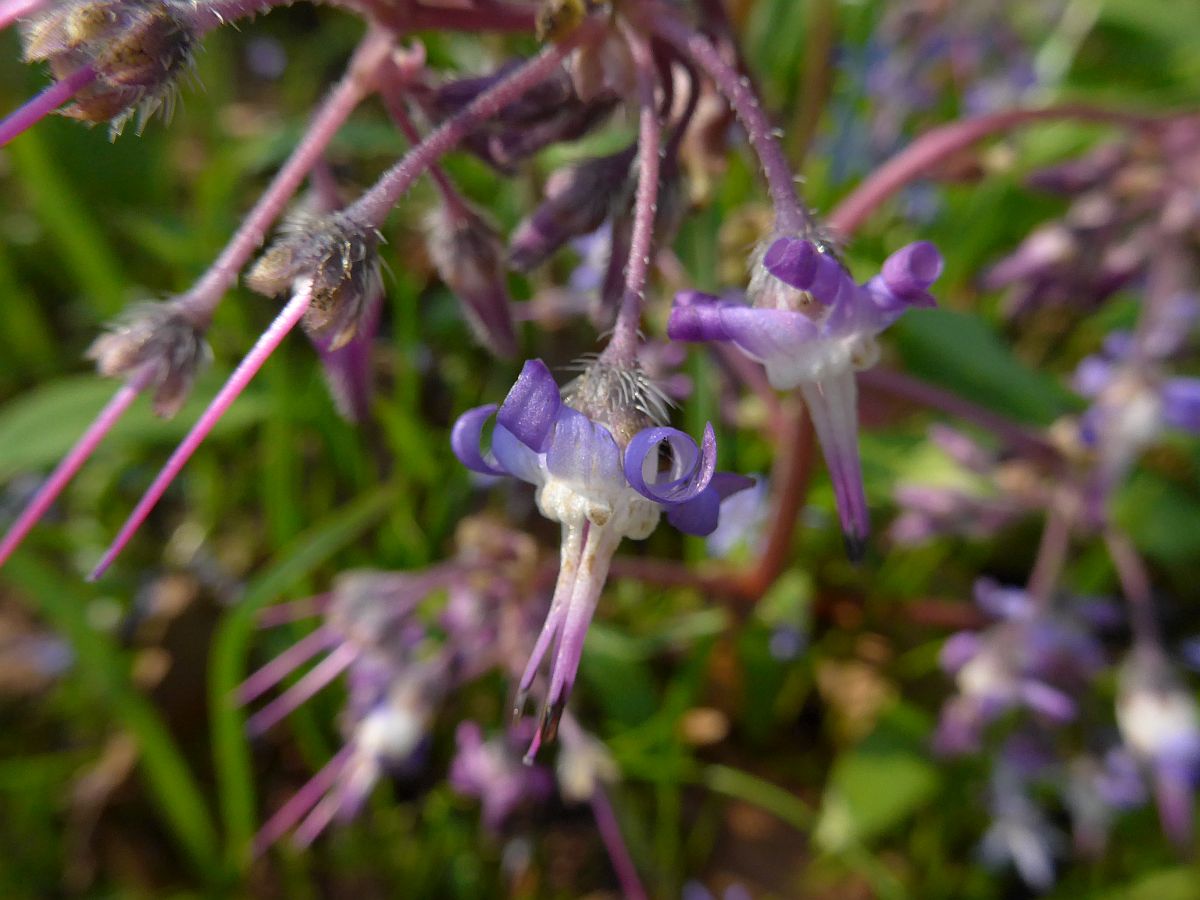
(492, 772)
(812, 328)
(1160, 724)
(1020, 834)
(1033, 658)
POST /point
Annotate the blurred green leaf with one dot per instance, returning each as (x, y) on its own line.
(962, 353)
(880, 783)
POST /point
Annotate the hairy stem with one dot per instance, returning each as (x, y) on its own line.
(372, 209)
(623, 347)
(790, 215)
(355, 85)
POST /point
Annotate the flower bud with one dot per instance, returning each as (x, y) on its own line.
(137, 49)
(154, 334)
(333, 258)
(578, 200)
(468, 255)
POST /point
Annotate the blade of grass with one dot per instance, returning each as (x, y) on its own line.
(172, 785)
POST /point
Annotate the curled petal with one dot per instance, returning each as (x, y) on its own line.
(465, 440)
(701, 515)
(911, 270)
(691, 469)
(584, 453)
(531, 407)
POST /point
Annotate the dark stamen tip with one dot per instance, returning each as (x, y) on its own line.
(856, 546)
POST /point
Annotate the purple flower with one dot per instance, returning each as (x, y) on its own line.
(812, 328)
(1020, 834)
(1033, 659)
(1160, 724)
(493, 772)
(595, 457)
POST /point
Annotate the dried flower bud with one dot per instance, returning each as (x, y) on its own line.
(548, 114)
(137, 49)
(332, 257)
(578, 200)
(468, 255)
(157, 334)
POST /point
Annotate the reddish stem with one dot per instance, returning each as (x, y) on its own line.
(932, 149)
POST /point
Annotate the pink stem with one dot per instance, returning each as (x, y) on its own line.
(302, 801)
(614, 842)
(242, 375)
(17, 9)
(623, 347)
(37, 108)
(790, 215)
(294, 697)
(393, 100)
(204, 296)
(288, 661)
(317, 821)
(937, 146)
(74, 460)
(372, 208)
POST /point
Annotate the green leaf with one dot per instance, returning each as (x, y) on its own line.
(879, 784)
(38, 428)
(960, 352)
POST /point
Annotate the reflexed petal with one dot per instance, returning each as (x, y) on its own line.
(530, 409)
(764, 333)
(515, 457)
(960, 648)
(691, 469)
(1092, 375)
(701, 515)
(584, 453)
(793, 261)
(465, 440)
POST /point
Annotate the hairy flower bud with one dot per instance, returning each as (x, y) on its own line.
(578, 200)
(136, 48)
(161, 335)
(335, 259)
(468, 255)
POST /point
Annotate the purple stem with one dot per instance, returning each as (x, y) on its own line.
(317, 821)
(393, 100)
(204, 296)
(75, 458)
(614, 842)
(283, 613)
(40, 106)
(623, 347)
(207, 16)
(1135, 583)
(1051, 554)
(314, 680)
(1017, 436)
(242, 375)
(372, 208)
(286, 662)
(790, 216)
(302, 801)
